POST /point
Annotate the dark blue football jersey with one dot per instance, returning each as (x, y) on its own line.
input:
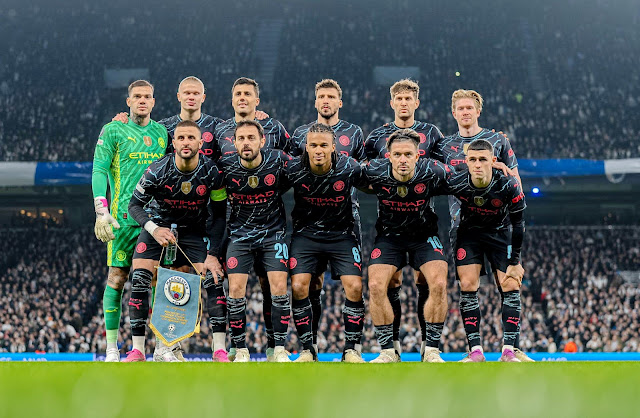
(207, 124)
(405, 208)
(275, 134)
(181, 198)
(486, 209)
(376, 144)
(255, 195)
(349, 140)
(323, 206)
(451, 150)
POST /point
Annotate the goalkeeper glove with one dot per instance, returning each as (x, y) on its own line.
(104, 220)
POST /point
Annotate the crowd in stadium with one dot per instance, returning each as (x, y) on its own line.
(52, 288)
(552, 84)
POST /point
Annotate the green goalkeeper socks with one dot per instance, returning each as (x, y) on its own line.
(153, 295)
(111, 302)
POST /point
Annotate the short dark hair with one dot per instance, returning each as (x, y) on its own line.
(188, 124)
(249, 81)
(329, 83)
(139, 83)
(404, 135)
(321, 128)
(253, 123)
(480, 145)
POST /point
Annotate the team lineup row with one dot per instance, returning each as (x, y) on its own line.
(406, 168)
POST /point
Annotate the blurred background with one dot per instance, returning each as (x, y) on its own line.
(560, 78)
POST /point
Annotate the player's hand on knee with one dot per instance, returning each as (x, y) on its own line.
(213, 265)
(164, 236)
(503, 167)
(104, 220)
(260, 115)
(121, 117)
(515, 272)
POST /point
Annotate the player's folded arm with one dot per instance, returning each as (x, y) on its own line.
(139, 199)
(517, 236)
(217, 221)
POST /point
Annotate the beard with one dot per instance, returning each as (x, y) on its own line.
(249, 157)
(192, 154)
(329, 115)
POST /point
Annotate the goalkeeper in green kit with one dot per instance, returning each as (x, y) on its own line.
(123, 153)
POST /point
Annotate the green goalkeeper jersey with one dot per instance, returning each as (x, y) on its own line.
(123, 153)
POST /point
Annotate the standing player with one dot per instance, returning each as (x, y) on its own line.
(245, 97)
(466, 107)
(257, 230)
(123, 153)
(191, 95)
(487, 198)
(404, 102)
(350, 142)
(407, 229)
(187, 188)
(323, 229)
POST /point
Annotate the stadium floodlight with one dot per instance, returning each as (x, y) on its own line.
(535, 190)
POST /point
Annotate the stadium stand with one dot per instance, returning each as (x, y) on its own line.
(52, 288)
(559, 88)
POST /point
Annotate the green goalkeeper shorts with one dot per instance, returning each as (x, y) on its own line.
(120, 250)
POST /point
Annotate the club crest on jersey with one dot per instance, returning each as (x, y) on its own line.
(344, 140)
(161, 142)
(252, 181)
(177, 290)
(270, 179)
(465, 148)
(185, 187)
(402, 191)
(478, 200)
(147, 140)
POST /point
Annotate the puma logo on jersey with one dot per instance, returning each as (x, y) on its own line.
(455, 148)
(387, 189)
(236, 181)
(132, 139)
(306, 187)
(169, 187)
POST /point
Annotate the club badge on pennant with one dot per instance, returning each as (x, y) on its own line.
(402, 191)
(185, 187)
(176, 309)
(253, 182)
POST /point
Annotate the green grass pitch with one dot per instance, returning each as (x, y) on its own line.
(99, 390)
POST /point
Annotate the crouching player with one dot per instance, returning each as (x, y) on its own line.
(407, 228)
(490, 203)
(323, 226)
(187, 188)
